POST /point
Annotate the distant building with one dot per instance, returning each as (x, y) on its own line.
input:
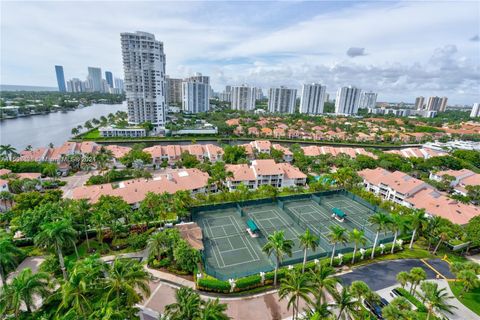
(313, 98)
(368, 100)
(94, 79)
(119, 85)
(419, 102)
(347, 101)
(109, 78)
(226, 95)
(174, 91)
(75, 85)
(144, 78)
(196, 94)
(437, 104)
(259, 93)
(131, 132)
(243, 97)
(475, 110)
(60, 78)
(282, 100)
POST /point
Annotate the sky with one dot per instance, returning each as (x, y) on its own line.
(400, 49)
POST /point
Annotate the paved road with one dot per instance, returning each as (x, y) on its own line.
(383, 274)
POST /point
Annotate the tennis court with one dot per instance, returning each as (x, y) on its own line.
(270, 218)
(229, 250)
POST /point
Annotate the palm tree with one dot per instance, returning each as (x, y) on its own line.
(435, 298)
(443, 235)
(187, 305)
(469, 279)
(417, 222)
(156, 244)
(357, 237)
(6, 197)
(344, 302)
(403, 278)
(323, 280)
(214, 310)
(397, 225)
(8, 152)
(22, 289)
(381, 221)
(337, 235)
(295, 286)
(417, 275)
(308, 241)
(359, 290)
(127, 282)
(9, 254)
(279, 246)
(56, 235)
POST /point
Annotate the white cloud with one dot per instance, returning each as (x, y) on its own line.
(413, 47)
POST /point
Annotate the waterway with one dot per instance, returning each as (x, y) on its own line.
(40, 130)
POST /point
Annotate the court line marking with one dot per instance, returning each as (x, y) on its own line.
(215, 247)
(238, 228)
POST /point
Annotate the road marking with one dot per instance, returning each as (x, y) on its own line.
(434, 270)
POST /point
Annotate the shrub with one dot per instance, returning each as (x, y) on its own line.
(213, 285)
(420, 306)
(248, 282)
(138, 241)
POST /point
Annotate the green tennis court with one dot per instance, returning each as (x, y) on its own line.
(231, 252)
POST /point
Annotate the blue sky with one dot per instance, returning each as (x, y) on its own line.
(399, 49)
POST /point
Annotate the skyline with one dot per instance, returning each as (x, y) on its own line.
(260, 43)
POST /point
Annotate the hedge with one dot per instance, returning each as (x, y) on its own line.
(213, 285)
(420, 306)
(249, 282)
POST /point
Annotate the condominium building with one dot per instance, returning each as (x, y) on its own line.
(437, 104)
(173, 153)
(475, 110)
(94, 79)
(196, 94)
(109, 78)
(368, 100)
(258, 93)
(75, 85)
(174, 91)
(461, 179)
(313, 98)
(419, 102)
(265, 172)
(119, 85)
(243, 97)
(413, 193)
(60, 78)
(144, 67)
(347, 101)
(282, 100)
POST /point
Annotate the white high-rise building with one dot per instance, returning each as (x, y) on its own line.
(259, 93)
(94, 79)
(368, 100)
(243, 97)
(282, 100)
(75, 85)
(144, 67)
(347, 101)
(313, 98)
(419, 102)
(437, 104)
(174, 91)
(475, 110)
(196, 94)
(119, 85)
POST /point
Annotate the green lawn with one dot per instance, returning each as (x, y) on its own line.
(92, 134)
(470, 299)
(415, 253)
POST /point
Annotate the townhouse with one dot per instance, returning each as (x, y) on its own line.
(313, 151)
(413, 193)
(173, 153)
(462, 179)
(424, 153)
(134, 191)
(265, 172)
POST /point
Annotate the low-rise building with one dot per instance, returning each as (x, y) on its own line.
(287, 154)
(265, 172)
(413, 193)
(130, 132)
(462, 179)
(173, 153)
(313, 151)
(134, 191)
(425, 153)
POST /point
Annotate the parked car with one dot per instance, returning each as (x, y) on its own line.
(376, 308)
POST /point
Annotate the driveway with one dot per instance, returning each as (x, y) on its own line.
(77, 180)
(383, 274)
